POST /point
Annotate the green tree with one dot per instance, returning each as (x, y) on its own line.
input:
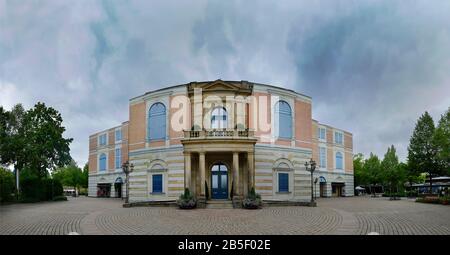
(42, 141)
(441, 140)
(85, 176)
(392, 173)
(358, 169)
(422, 150)
(372, 170)
(7, 187)
(70, 175)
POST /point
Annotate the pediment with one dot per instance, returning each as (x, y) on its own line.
(237, 87)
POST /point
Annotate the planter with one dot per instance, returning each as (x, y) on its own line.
(252, 203)
(187, 204)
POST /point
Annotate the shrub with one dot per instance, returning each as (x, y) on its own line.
(187, 200)
(430, 200)
(253, 200)
(7, 187)
(34, 189)
(60, 198)
(445, 200)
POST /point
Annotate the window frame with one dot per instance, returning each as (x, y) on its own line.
(277, 117)
(100, 162)
(336, 160)
(161, 184)
(323, 166)
(151, 115)
(319, 132)
(281, 173)
(340, 135)
(100, 140)
(118, 156)
(224, 119)
(119, 130)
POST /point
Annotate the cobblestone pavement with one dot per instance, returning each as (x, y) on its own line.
(353, 215)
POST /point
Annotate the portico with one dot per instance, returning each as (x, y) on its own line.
(219, 168)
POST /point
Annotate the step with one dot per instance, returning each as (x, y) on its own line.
(219, 204)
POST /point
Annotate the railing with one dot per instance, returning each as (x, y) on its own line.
(218, 133)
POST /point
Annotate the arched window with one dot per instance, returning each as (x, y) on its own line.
(219, 118)
(102, 162)
(283, 118)
(157, 122)
(339, 160)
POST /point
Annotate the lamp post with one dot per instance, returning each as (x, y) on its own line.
(311, 166)
(127, 169)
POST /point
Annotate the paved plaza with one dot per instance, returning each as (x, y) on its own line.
(352, 215)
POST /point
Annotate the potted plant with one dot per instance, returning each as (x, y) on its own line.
(187, 200)
(253, 200)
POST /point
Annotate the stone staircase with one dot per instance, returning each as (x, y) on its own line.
(219, 204)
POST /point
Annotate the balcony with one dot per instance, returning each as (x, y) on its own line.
(219, 133)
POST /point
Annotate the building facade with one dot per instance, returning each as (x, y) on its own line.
(220, 139)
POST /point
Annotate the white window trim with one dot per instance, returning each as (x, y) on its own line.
(106, 163)
(165, 101)
(165, 183)
(106, 140)
(274, 99)
(326, 157)
(343, 161)
(334, 137)
(115, 135)
(318, 135)
(120, 165)
(276, 192)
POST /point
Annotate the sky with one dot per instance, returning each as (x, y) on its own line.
(371, 67)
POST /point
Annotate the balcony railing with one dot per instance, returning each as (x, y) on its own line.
(219, 133)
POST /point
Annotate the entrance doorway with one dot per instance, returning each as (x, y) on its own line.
(337, 189)
(104, 190)
(219, 181)
(118, 187)
(323, 186)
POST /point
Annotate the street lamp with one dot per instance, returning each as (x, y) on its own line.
(311, 166)
(127, 169)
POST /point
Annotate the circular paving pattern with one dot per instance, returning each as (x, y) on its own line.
(355, 215)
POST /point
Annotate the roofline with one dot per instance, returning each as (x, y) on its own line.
(104, 130)
(323, 124)
(185, 84)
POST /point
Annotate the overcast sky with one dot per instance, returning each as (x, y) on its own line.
(371, 67)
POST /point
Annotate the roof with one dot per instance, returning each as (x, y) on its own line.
(185, 84)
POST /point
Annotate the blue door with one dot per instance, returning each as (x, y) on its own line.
(219, 181)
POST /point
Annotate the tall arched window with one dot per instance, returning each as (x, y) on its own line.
(283, 118)
(157, 122)
(102, 162)
(339, 160)
(219, 118)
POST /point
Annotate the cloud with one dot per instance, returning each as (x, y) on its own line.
(372, 67)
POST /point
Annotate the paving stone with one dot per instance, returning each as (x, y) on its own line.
(100, 216)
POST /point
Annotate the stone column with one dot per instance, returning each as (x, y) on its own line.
(187, 170)
(201, 168)
(251, 170)
(236, 174)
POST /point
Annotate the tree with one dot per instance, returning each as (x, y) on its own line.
(392, 173)
(6, 185)
(372, 169)
(358, 169)
(421, 150)
(441, 140)
(85, 176)
(69, 175)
